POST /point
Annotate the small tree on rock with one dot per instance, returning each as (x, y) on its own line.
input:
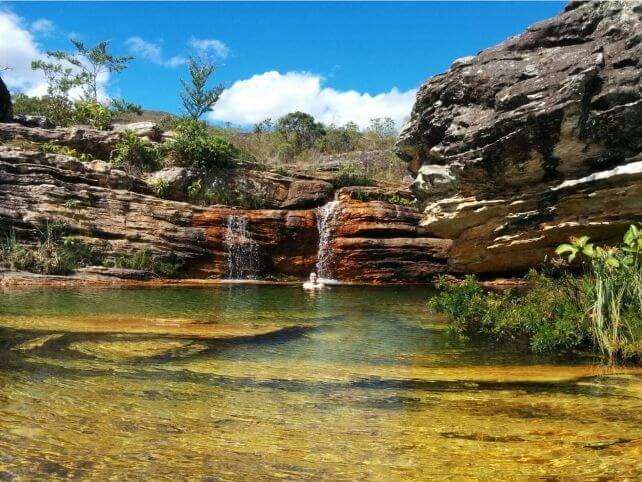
(196, 97)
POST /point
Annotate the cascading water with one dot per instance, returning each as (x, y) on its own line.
(325, 219)
(242, 250)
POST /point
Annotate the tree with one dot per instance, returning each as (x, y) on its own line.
(299, 129)
(385, 127)
(196, 97)
(90, 64)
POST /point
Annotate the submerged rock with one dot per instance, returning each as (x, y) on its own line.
(533, 140)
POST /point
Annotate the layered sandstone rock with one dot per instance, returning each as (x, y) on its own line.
(119, 213)
(533, 140)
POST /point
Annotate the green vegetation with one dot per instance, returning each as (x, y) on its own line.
(78, 70)
(134, 152)
(87, 65)
(65, 151)
(351, 175)
(197, 99)
(600, 310)
(221, 191)
(55, 252)
(195, 146)
(164, 266)
(162, 188)
(365, 196)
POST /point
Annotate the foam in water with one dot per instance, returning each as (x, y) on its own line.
(325, 219)
(242, 250)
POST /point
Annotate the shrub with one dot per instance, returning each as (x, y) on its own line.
(93, 113)
(351, 175)
(65, 151)
(194, 190)
(162, 188)
(135, 152)
(600, 309)
(194, 146)
(614, 288)
(54, 253)
(545, 315)
(57, 109)
(165, 266)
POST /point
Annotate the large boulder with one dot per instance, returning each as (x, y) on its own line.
(533, 140)
(6, 109)
(307, 194)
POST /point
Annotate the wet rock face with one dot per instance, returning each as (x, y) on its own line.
(6, 109)
(524, 144)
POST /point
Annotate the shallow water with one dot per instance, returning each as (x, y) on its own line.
(269, 382)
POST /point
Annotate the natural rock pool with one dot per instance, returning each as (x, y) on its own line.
(257, 382)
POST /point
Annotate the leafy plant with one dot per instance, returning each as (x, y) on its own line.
(195, 146)
(615, 290)
(93, 113)
(52, 148)
(145, 260)
(55, 252)
(194, 190)
(351, 175)
(162, 188)
(135, 152)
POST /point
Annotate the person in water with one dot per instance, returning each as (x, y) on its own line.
(313, 282)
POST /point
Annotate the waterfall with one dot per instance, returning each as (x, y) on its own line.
(242, 250)
(325, 218)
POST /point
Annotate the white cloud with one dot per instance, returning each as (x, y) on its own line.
(273, 94)
(210, 45)
(153, 52)
(43, 26)
(17, 49)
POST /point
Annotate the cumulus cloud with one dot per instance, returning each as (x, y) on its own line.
(208, 46)
(273, 94)
(153, 52)
(43, 26)
(17, 49)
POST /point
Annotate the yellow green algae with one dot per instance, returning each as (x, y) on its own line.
(267, 383)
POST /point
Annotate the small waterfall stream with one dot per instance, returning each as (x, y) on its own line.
(325, 218)
(242, 250)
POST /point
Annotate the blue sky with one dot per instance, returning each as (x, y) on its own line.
(335, 59)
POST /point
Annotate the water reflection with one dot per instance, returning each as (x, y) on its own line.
(264, 382)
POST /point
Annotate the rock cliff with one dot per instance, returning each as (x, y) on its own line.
(119, 213)
(533, 140)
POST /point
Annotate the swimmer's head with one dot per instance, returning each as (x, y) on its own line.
(313, 277)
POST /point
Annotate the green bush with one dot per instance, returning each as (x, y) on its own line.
(614, 288)
(164, 266)
(54, 253)
(600, 309)
(65, 151)
(92, 113)
(351, 175)
(132, 151)
(545, 316)
(57, 109)
(194, 146)
(162, 188)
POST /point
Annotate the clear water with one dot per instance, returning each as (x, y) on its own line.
(270, 382)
